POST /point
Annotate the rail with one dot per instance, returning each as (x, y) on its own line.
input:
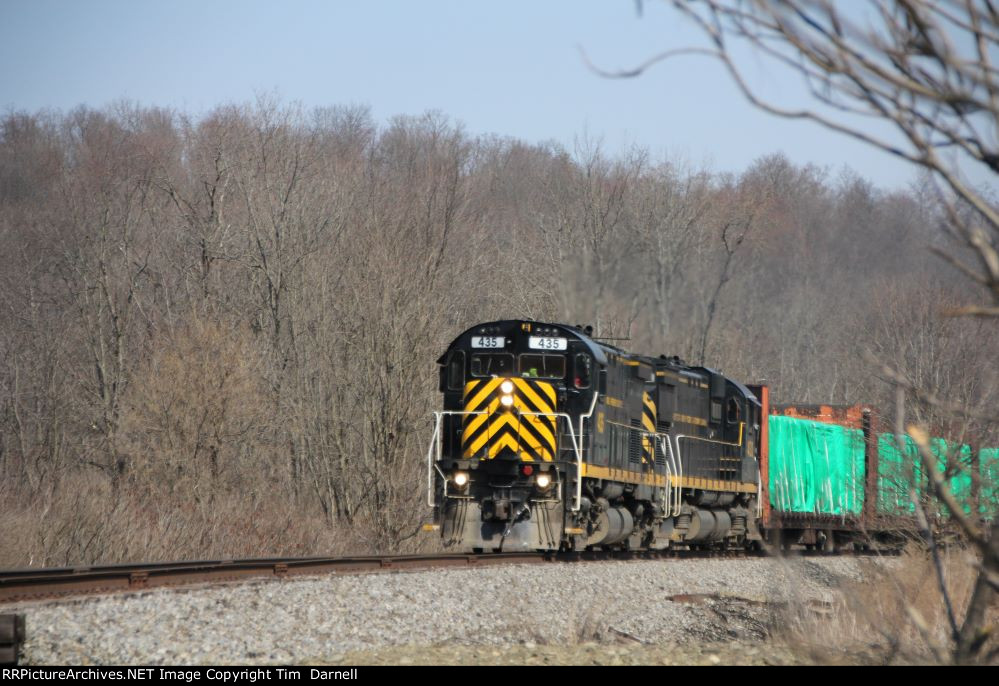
(39, 583)
(33, 584)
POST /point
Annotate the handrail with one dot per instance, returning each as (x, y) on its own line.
(668, 491)
(679, 456)
(577, 446)
(759, 491)
(579, 457)
(678, 470)
(435, 440)
(668, 499)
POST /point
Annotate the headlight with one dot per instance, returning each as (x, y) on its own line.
(460, 479)
(507, 387)
(506, 400)
(543, 481)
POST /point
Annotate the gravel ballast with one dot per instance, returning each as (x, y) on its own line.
(490, 611)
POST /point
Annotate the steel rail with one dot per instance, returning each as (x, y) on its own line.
(32, 584)
(40, 583)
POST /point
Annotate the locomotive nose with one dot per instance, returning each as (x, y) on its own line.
(509, 417)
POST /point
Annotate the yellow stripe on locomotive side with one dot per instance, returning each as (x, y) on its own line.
(696, 421)
(626, 476)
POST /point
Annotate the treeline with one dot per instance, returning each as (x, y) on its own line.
(218, 334)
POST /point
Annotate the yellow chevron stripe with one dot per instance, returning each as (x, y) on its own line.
(487, 388)
(532, 443)
(526, 389)
(497, 423)
(474, 421)
(540, 423)
(549, 391)
(649, 424)
(498, 418)
(613, 402)
(470, 386)
(507, 441)
(514, 422)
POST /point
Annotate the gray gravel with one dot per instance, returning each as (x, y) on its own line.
(319, 619)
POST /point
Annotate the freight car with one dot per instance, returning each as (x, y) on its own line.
(550, 439)
(833, 478)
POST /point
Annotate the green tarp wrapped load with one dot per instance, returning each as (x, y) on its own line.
(899, 475)
(902, 474)
(815, 467)
(819, 468)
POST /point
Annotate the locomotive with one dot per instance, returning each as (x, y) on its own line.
(550, 439)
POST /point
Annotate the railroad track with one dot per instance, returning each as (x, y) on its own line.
(31, 584)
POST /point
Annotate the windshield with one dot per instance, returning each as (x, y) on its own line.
(492, 364)
(542, 366)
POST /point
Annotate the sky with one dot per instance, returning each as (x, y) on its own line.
(513, 68)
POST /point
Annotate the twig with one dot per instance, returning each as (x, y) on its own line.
(938, 565)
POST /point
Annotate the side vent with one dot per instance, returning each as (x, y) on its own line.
(635, 442)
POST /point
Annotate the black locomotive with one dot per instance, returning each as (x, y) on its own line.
(550, 439)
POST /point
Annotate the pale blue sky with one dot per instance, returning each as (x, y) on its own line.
(510, 68)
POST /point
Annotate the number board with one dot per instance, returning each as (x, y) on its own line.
(547, 343)
(488, 342)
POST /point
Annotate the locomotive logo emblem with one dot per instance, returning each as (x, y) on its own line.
(513, 414)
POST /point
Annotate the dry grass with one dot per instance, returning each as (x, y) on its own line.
(894, 615)
(89, 524)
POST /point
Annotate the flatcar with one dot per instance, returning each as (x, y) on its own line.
(550, 439)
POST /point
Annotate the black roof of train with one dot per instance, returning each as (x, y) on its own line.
(598, 349)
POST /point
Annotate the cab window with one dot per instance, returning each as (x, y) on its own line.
(456, 370)
(582, 370)
(542, 366)
(492, 364)
(734, 413)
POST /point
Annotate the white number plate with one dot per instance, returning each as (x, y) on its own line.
(488, 341)
(547, 343)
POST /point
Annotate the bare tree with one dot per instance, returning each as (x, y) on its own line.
(672, 214)
(924, 67)
(925, 70)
